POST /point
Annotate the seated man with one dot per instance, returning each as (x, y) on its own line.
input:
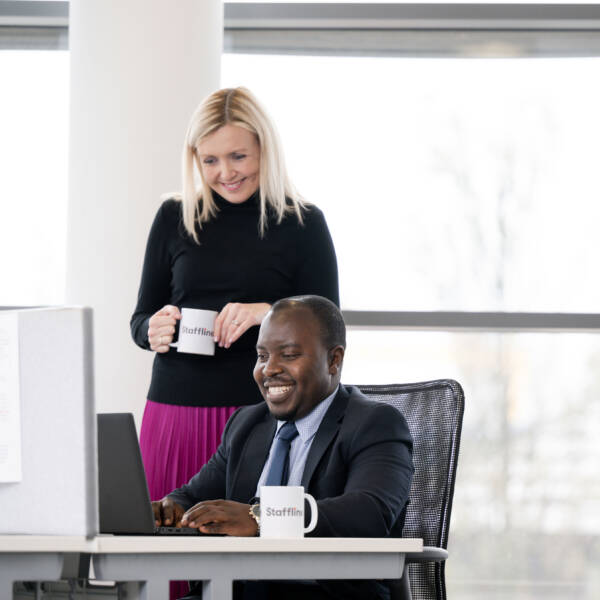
(352, 454)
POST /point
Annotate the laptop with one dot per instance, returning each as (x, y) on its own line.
(123, 492)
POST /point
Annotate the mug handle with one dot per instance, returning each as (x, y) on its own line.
(313, 513)
(175, 344)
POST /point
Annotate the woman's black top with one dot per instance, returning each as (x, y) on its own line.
(231, 264)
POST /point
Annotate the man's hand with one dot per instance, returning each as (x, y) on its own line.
(166, 512)
(221, 516)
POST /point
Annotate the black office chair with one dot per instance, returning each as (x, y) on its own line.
(434, 412)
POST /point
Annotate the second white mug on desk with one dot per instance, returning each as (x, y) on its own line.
(282, 511)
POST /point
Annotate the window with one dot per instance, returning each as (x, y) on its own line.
(33, 186)
(456, 169)
(448, 184)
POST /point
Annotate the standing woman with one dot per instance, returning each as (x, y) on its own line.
(238, 239)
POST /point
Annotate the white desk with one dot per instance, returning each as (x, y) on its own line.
(153, 561)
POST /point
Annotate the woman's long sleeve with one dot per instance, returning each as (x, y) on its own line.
(155, 285)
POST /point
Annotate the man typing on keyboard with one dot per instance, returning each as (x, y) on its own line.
(351, 454)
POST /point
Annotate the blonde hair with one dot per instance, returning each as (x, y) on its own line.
(238, 107)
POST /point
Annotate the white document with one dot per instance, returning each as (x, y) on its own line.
(10, 405)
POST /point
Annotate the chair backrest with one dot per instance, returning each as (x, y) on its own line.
(434, 412)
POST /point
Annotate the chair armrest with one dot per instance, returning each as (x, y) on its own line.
(429, 554)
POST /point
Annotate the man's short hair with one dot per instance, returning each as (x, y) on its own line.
(327, 314)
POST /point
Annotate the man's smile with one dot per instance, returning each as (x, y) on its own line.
(277, 391)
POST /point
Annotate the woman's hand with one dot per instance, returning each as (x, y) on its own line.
(161, 328)
(235, 319)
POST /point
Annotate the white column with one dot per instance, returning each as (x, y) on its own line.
(138, 69)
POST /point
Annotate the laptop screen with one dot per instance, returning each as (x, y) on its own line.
(123, 492)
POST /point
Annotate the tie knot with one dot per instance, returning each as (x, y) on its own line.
(288, 431)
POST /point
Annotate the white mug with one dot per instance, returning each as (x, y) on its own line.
(282, 511)
(196, 331)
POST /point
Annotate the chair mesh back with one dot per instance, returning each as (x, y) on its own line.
(434, 412)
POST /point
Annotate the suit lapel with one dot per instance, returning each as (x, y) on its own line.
(253, 459)
(328, 429)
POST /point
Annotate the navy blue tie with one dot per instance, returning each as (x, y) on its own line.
(279, 469)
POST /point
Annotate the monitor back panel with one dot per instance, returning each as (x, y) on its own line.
(57, 422)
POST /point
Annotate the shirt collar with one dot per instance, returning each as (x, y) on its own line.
(307, 426)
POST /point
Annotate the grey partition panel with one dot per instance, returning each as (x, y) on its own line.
(58, 490)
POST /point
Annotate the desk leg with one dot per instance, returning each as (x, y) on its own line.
(153, 589)
(7, 579)
(217, 589)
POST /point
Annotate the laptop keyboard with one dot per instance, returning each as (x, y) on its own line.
(176, 531)
(181, 531)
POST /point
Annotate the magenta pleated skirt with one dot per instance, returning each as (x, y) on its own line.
(176, 441)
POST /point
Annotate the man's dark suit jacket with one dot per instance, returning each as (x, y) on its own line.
(359, 467)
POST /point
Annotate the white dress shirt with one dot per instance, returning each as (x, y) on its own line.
(307, 428)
